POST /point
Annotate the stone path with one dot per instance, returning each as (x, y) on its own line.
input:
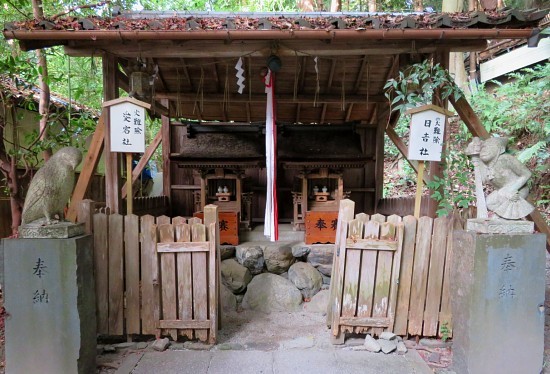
(272, 362)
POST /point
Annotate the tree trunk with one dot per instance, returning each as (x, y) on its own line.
(336, 5)
(489, 4)
(372, 5)
(44, 103)
(8, 167)
(451, 6)
(307, 5)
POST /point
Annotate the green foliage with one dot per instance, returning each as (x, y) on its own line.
(444, 331)
(418, 84)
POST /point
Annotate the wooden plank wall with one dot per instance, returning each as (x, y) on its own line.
(423, 299)
(133, 292)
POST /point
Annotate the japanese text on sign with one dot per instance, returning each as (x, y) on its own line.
(127, 128)
(39, 270)
(506, 290)
(426, 135)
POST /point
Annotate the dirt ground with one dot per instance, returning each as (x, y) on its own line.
(248, 330)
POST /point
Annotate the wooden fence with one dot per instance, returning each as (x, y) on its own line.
(156, 276)
(407, 286)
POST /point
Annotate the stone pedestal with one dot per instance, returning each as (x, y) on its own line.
(50, 300)
(498, 302)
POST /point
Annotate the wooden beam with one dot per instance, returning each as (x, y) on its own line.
(151, 148)
(160, 75)
(88, 169)
(359, 78)
(166, 166)
(436, 168)
(260, 98)
(470, 118)
(331, 76)
(112, 163)
(256, 48)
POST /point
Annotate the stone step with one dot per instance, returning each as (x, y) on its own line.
(286, 233)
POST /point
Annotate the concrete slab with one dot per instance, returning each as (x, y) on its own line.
(297, 361)
(304, 362)
(242, 362)
(168, 362)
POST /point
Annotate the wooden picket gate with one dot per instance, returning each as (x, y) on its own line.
(391, 275)
(157, 276)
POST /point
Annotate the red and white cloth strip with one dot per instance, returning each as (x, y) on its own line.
(271, 227)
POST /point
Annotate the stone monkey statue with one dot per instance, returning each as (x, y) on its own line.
(506, 174)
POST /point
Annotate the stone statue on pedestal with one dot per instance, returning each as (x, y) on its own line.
(48, 194)
(505, 174)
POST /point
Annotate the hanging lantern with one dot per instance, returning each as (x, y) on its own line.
(139, 84)
(274, 63)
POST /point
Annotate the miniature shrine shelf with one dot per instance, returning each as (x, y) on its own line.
(229, 226)
(316, 206)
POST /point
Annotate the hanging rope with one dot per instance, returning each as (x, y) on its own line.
(200, 93)
(226, 89)
(178, 97)
(296, 75)
(343, 85)
(368, 83)
(317, 86)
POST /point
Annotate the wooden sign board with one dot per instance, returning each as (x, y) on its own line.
(127, 125)
(427, 132)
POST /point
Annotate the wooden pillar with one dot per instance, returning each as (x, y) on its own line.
(436, 168)
(112, 160)
(166, 166)
(379, 162)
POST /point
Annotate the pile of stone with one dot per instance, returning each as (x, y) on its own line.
(387, 343)
(275, 276)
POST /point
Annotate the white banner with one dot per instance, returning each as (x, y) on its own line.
(271, 228)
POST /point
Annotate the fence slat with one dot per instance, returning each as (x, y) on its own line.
(101, 271)
(445, 317)
(212, 284)
(366, 291)
(383, 276)
(345, 214)
(131, 260)
(351, 284)
(116, 275)
(200, 295)
(185, 285)
(372, 230)
(168, 278)
(405, 278)
(435, 276)
(396, 269)
(419, 279)
(149, 276)
(214, 271)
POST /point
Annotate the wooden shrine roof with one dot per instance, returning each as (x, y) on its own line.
(325, 146)
(223, 149)
(334, 65)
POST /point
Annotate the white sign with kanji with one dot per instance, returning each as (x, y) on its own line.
(127, 127)
(426, 134)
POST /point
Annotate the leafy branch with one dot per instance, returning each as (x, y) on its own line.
(419, 84)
